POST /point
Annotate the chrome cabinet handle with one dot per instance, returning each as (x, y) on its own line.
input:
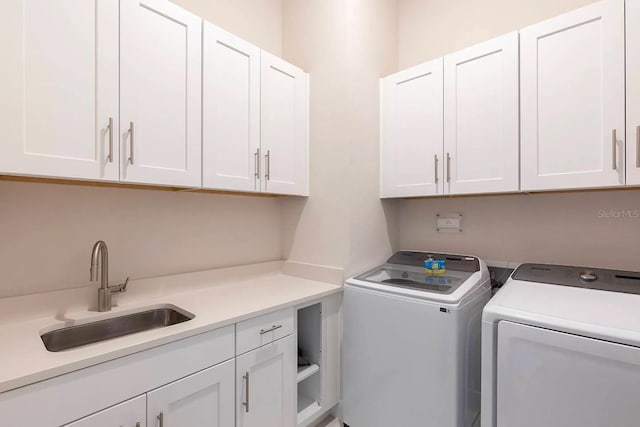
(271, 329)
(614, 150)
(138, 424)
(246, 392)
(448, 168)
(256, 157)
(161, 419)
(130, 160)
(110, 127)
(435, 162)
(267, 172)
(638, 147)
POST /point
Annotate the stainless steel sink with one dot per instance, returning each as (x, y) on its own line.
(88, 333)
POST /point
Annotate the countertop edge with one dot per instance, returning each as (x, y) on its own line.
(30, 379)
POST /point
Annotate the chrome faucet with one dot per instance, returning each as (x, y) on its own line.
(100, 253)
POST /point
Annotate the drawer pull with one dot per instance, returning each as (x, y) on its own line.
(638, 147)
(246, 392)
(614, 148)
(267, 161)
(271, 329)
(435, 162)
(110, 127)
(130, 160)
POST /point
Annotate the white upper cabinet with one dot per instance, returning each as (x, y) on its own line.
(230, 112)
(481, 123)
(202, 399)
(284, 128)
(59, 88)
(411, 132)
(266, 385)
(160, 93)
(633, 92)
(573, 99)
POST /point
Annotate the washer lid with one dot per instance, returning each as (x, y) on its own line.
(412, 277)
(404, 274)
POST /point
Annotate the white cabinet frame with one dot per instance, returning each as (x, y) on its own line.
(481, 118)
(572, 100)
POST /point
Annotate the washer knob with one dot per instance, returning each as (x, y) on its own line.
(588, 276)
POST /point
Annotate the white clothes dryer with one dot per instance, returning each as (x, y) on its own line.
(561, 348)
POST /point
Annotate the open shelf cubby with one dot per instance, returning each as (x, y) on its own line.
(309, 362)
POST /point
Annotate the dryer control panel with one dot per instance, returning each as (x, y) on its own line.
(580, 277)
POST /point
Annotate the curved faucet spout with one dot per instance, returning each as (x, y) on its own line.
(100, 260)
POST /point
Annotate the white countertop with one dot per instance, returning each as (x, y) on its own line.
(216, 297)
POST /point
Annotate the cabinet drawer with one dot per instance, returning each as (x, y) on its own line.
(262, 330)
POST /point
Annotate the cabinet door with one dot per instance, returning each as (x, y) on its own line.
(199, 400)
(230, 112)
(411, 132)
(284, 139)
(633, 91)
(266, 385)
(132, 413)
(572, 99)
(59, 86)
(481, 120)
(160, 97)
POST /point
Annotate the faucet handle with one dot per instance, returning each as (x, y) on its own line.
(122, 287)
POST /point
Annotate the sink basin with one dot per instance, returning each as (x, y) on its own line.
(89, 333)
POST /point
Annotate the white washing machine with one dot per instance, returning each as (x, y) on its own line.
(412, 343)
(561, 348)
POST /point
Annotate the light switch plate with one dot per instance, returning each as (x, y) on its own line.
(449, 223)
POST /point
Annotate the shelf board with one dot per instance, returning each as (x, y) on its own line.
(307, 409)
(305, 372)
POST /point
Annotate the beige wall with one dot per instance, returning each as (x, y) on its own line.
(565, 228)
(428, 29)
(47, 230)
(372, 54)
(257, 21)
(346, 46)
(315, 229)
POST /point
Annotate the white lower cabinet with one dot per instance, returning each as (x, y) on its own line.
(132, 413)
(202, 399)
(198, 381)
(266, 385)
